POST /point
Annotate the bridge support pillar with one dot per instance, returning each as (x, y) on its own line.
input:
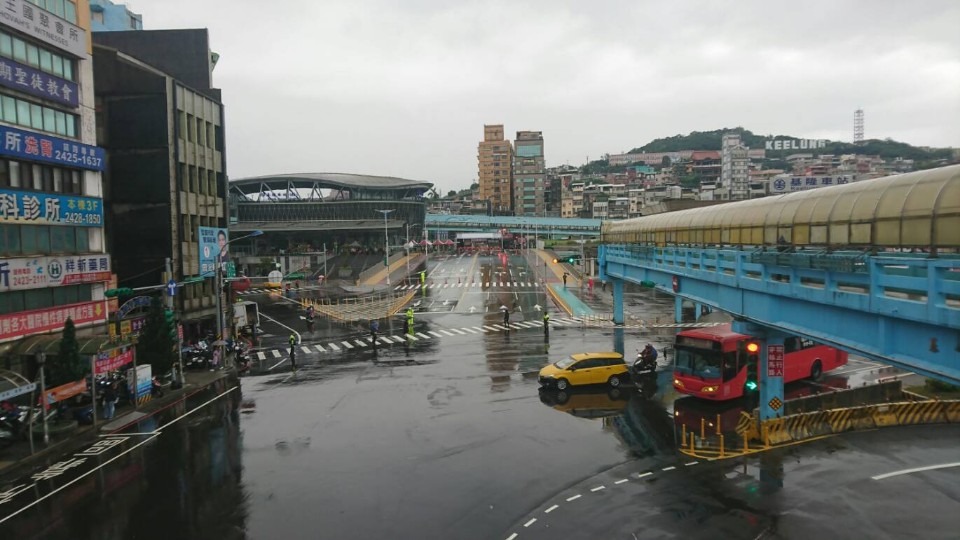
(697, 311)
(770, 366)
(617, 301)
(677, 309)
(618, 341)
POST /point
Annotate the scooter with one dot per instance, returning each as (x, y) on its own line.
(644, 363)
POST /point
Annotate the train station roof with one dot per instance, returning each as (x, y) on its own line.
(326, 180)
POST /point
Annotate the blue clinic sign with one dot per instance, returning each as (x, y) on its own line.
(213, 242)
(33, 208)
(37, 83)
(48, 149)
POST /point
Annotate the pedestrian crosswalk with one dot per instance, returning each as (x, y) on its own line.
(469, 284)
(440, 333)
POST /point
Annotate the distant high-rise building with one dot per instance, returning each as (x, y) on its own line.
(495, 162)
(529, 174)
(105, 16)
(858, 126)
(734, 168)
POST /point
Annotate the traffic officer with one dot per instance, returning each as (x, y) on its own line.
(423, 277)
(546, 322)
(409, 320)
(293, 351)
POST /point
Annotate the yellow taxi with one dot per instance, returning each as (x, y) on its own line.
(586, 368)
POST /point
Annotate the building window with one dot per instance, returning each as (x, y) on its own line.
(14, 301)
(36, 177)
(27, 114)
(42, 239)
(43, 59)
(65, 9)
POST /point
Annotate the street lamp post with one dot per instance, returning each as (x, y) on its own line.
(406, 246)
(219, 291)
(41, 360)
(386, 243)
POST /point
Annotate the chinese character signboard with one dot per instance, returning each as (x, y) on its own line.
(39, 272)
(36, 83)
(19, 143)
(774, 360)
(30, 208)
(785, 184)
(112, 360)
(213, 242)
(16, 325)
(45, 26)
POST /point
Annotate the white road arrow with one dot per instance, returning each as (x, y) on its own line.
(537, 307)
(473, 309)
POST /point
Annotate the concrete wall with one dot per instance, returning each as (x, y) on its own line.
(877, 393)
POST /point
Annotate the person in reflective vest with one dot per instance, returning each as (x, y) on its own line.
(293, 351)
(546, 321)
(409, 320)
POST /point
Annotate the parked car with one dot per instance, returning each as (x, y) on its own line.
(586, 368)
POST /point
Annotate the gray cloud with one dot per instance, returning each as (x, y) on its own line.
(404, 87)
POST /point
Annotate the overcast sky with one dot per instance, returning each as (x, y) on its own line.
(403, 87)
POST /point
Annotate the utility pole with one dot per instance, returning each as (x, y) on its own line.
(171, 305)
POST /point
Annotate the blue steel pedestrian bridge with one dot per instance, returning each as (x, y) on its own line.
(870, 267)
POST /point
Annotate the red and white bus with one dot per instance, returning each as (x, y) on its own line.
(717, 363)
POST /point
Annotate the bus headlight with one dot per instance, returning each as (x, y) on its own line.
(678, 383)
(709, 389)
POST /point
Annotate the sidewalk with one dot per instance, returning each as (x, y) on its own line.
(578, 299)
(17, 455)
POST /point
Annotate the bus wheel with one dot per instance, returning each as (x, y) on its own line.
(816, 370)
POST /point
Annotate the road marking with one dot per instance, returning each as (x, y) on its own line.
(277, 364)
(477, 328)
(261, 356)
(397, 339)
(283, 325)
(490, 328)
(319, 348)
(598, 488)
(692, 463)
(447, 333)
(551, 509)
(347, 344)
(644, 474)
(305, 349)
(531, 522)
(461, 332)
(276, 353)
(512, 536)
(360, 343)
(575, 497)
(411, 337)
(917, 469)
(622, 481)
(386, 340)
(333, 346)
(670, 468)
(470, 330)
(422, 335)
(498, 327)
(434, 333)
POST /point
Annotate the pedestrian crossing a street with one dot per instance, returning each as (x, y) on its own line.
(444, 333)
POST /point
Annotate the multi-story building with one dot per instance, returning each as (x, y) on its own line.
(649, 158)
(53, 259)
(529, 174)
(161, 121)
(105, 16)
(566, 205)
(735, 164)
(706, 165)
(495, 162)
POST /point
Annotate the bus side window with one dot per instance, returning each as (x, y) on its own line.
(790, 345)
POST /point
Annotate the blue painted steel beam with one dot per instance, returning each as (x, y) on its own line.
(897, 310)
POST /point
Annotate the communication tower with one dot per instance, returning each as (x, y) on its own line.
(858, 126)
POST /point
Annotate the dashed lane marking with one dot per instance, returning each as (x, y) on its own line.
(575, 497)
(529, 523)
(551, 509)
(512, 536)
(598, 488)
(670, 468)
(692, 463)
(618, 482)
(644, 474)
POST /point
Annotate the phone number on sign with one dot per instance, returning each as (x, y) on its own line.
(84, 219)
(82, 159)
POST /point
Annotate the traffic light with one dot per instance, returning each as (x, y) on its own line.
(123, 291)
(748, 353)
(647, 283)
(555, 261)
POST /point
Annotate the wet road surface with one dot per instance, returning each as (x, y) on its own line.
(449, 437)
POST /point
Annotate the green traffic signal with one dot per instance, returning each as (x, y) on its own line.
(122, 291)
(751, 385)
(571, 260)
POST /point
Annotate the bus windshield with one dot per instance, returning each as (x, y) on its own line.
(701, 363)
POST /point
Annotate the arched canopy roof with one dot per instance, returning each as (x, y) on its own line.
(335, 181)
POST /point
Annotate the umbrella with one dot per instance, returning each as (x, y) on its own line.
(448, 242)
(424, 242)
(438, 242)
(354, 244)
